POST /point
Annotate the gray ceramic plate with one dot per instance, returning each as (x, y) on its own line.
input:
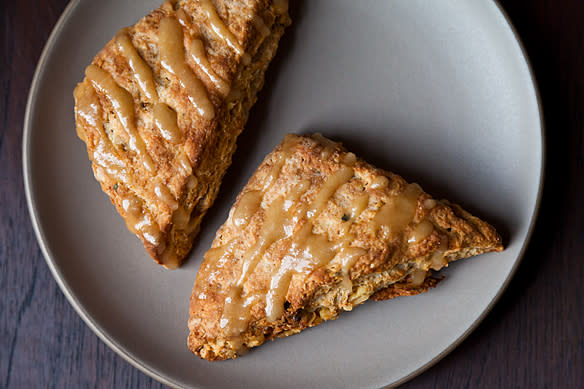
(438, 91)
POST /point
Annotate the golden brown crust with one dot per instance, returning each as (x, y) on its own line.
(404, 289)
(207, 144)
(390, 264)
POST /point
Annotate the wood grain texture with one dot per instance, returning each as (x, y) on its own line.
(534, 337)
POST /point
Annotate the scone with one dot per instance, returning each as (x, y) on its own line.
(162, 104)
(315, 232)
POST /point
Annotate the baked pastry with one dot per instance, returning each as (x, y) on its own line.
(162, 104)
(317, 231)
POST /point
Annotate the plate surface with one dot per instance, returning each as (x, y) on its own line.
(437, 91)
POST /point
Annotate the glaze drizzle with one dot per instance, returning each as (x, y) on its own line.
(290, 222)
(110, 167)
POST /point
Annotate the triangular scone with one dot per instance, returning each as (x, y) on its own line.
(315, 232)
(162, 104)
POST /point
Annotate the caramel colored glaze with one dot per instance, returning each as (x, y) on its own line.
(247, 207)
(184, 164)
(104, 154)
(181, 216)
(165, 118)
(139, 221)
(329, 188)
(142, 71)
(310, 251)
(307, 252)
(421, 231)
(348, 256)
(379, 182)
(350, 159)
(110, 166)
(183, 18)
(165, 196)
(430, 203)
(288, 144)
(417, 277)
(166, 121)
(212, 259)
(272, 230)
(438, 260)
(219, 27)
(198, 55)
(172, 55)
(88, 106)
(123, 105)
(216, 257)
(275, 171)
(235, 315)
(399, 211)
(358, 206)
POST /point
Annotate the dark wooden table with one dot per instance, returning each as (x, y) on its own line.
(534, 337)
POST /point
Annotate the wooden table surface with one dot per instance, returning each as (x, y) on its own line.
(534, 337)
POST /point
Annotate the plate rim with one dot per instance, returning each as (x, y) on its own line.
(534, 215)
(154, 373)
